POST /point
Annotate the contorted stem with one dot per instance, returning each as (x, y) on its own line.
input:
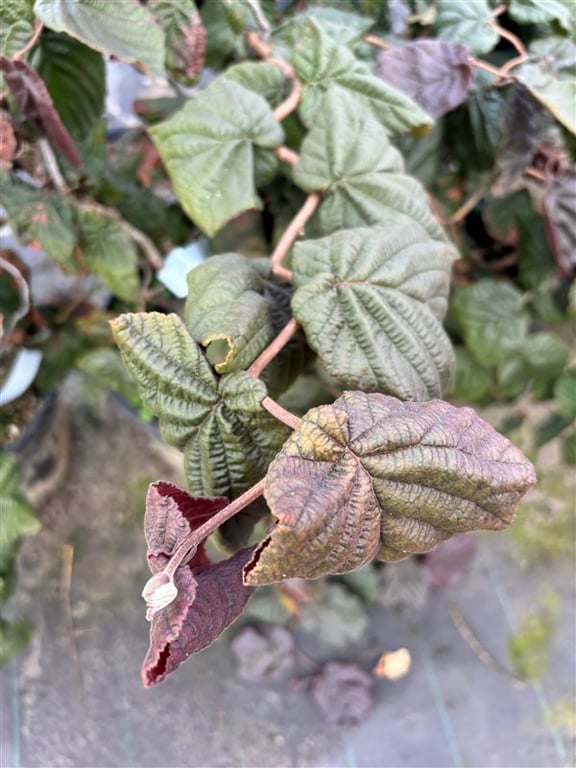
(268, 354)
(280, 413)
(160, 590)
(290, 234)
(287, 155)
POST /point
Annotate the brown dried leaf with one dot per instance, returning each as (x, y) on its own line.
(34, 101)
(343, 692)
(372, 476)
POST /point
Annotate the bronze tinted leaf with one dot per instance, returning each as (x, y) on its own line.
(372, 476)
(35, 103)
(210, 596)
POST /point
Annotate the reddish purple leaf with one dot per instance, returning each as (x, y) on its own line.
(266, 653)
(435, 73)
(209, 596)
(343, 692)
(35, 103)
(447, 563)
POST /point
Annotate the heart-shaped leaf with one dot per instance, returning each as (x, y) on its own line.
(227, 437)
(208, 149)
(348, 156)
(371, 476)
(370, 301)
(321, 63)
(235, 310)
(435, 73)
(210, 596)
(126, 30)
(469, 23)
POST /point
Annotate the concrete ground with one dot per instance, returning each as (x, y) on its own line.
(74, 697)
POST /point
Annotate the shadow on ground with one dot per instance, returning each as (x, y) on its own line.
(74, 697)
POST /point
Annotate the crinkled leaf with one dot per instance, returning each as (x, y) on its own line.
(208, 149)
(559, 207)
(348, 156)
(263, 654)
(492, 319)
(371, 303)
(235, 310)
(228, 439)
(126, 29)
(371, 476)
(538, 12)
(185, 37)
(16, 25)
(565, 394)
(42, 217)
(33, 100)
(210, 596)
(344, 693)
(435, 73)
(18, 518)
(107, 250)
(468, 23)
(550, 76)
(446, 565)
(264, 79)
(74, 77)
(320, 63)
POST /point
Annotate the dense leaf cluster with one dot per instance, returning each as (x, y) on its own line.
(391, 219)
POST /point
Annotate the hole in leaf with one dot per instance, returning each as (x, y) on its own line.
(158, 671)
(219, 352)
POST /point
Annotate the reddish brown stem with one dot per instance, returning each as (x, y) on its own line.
(486, 67)
(291, 233)
(287, 155)
(31, 43)
(516, 42)
(466, 207)
(267, 355)
(377, 43)
(194, 538)
(290, 103)
(280, 413)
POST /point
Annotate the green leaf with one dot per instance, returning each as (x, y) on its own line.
(18, 518)
(550, 75)
(14, 637)
(235, 310)
(42, 218)
(529, 647)
(371, 302)
(74, 77)
(348, 156)
(108, 251)
(228, 439)
(185, 37)
(320, 63)
(16, 25)
(565, 394)
(125, 29)
(264, 79)
(492, 320)
(370, 476)
(537, 12)
(468, 22)
(208, 150)
(545, 355)
(472, 383)
(337, 620)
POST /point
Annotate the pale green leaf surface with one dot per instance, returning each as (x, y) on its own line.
(264, 79)
(321, 63)
(370, 302)
(208, 150)
(228, 439)
(467, 22)
(124, 29)
(543, 11)
(75, 79)
(348, 155)
(565, 394)
(16, 25)
(492, 320)
(108, 251)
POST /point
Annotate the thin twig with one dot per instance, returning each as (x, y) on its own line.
(52, 166)
(511, 37)
(261, 20)
(292, 231)
(469, 205)
(499, 10)
(290, 103)
(276, 410)
(377, 43)
(23, 292)
(264, 51)
(31, 43)
(287, 155)
(268, 354)
(486, 67)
